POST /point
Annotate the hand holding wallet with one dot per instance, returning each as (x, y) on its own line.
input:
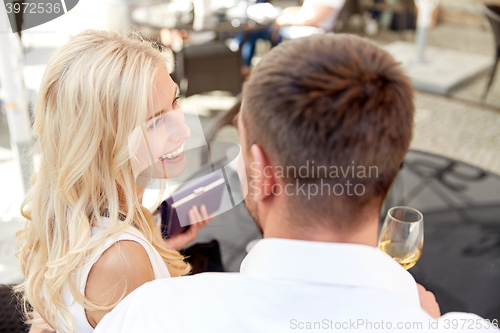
(206, 191)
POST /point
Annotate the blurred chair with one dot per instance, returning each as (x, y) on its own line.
(207, 67)
(204, 257)
(493, 15)
(11, 319)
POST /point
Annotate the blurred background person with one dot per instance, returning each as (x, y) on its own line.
(313, 17)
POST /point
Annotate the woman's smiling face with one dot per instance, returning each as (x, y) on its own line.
(165, 130)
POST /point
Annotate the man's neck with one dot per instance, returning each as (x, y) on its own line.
(365, 233)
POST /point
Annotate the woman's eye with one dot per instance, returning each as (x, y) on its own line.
(176, 101)
(157, 121)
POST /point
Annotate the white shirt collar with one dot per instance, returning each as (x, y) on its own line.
(351, 265)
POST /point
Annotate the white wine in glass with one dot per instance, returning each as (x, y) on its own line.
(402, 235)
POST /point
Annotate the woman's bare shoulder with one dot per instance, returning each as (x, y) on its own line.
(125, 256)
(122, 268)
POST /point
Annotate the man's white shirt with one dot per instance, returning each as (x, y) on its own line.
(288, 286)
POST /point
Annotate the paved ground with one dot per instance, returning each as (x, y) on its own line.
(459, 126)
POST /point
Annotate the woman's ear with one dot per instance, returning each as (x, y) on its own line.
(261, 175)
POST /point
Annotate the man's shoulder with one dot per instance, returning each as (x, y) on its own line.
(172, 302)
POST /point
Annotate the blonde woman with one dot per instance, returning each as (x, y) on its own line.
(88, 241)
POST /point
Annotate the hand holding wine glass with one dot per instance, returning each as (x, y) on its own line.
(402, 235)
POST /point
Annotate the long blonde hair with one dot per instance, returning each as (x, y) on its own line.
(94, 92)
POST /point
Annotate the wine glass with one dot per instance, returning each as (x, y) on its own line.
(402, 235)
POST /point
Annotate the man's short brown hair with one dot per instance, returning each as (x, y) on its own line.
(332, 100)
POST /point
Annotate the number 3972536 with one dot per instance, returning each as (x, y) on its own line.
(33, 8)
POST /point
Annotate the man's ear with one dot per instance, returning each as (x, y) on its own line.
(262, 175)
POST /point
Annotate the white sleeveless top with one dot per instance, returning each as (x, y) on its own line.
(80, 324)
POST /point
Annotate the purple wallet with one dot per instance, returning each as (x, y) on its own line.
(206, 190)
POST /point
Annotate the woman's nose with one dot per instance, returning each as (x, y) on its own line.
(181, 132)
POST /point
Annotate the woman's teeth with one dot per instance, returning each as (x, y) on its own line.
(174, 154)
